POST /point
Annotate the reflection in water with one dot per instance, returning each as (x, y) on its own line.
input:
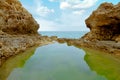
(104, 64)
(56, 62)
(61, 62)
(14, 62)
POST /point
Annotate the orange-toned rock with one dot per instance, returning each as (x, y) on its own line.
(14, 19)
(104, 23)
(18, 30)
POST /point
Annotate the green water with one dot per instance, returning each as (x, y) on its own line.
(62, 62)
(14, 63)
(103, 64)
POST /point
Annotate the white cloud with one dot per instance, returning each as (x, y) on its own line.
(78, 4)
(85, 4)
(47, 25)
(67, 22)
(64, 5)
(52, 0)
(79, 12)
(42, 10)
(77, 7)
(71, 18)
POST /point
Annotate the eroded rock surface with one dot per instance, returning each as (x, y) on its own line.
(18, 30)
(104, 35)
(14, 19)
(104, 23)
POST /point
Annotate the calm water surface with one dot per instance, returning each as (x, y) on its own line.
(56, 62)
(61, 62)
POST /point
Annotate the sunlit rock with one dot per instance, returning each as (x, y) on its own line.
(104, 23)
(14, 19)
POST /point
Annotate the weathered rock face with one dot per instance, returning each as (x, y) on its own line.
(14, 19)
(104, 23)
(18, 29)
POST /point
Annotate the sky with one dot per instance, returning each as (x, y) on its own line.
(62, 15)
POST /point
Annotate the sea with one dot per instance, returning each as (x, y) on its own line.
(64, 34)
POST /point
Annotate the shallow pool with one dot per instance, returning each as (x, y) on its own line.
(62, 62)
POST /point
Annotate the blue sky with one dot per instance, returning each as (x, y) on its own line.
(62, 15)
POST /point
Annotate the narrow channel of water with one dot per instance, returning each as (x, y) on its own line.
(61, 62)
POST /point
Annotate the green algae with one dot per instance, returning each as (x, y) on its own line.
(15, 62)
(56, 62)
(103, 63)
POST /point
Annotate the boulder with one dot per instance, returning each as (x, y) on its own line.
(104, 23)
(14, 19)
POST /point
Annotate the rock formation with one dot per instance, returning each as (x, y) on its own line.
(18, 30)
(104, 23)
(104, 35)
(14, 19)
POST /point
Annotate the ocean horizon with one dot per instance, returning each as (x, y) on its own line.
(64, 34)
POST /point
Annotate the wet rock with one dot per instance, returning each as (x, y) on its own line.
(61, 40)
(54, 38)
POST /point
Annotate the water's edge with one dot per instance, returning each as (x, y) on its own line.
(91, 57)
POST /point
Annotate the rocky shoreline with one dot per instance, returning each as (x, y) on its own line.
(104, 35)
(110, 47)
(104, 25)
(12, 45)
(18, 30)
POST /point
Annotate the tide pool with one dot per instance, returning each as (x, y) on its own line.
(56, 62)
(61, 62)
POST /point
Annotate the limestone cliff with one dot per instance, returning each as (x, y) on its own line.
(104, 23)
(14, 19)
